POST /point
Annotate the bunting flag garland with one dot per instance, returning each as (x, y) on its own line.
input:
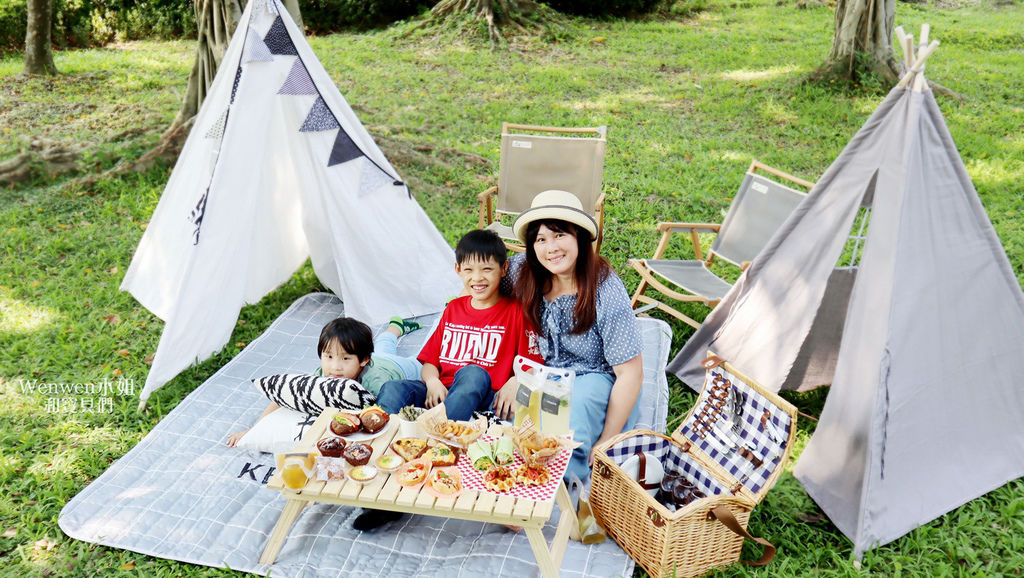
(278, 40)
(255, 49)
(217, 130)
(373, 178)
(320, 118)
(298, 81)
(344, 149)
(234, 87)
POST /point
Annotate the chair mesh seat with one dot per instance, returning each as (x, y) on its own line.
(692, 276)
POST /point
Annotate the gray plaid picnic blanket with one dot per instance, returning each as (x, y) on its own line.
(182, 494)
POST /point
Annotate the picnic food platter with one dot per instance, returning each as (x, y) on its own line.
(417, 487)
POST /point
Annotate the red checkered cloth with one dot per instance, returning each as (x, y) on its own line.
(474, 480)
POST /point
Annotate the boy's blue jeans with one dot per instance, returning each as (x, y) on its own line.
(470, 391)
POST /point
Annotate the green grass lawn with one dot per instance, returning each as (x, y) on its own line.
(688, 99)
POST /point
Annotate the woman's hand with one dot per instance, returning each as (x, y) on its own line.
(504, 399)
(436, 392)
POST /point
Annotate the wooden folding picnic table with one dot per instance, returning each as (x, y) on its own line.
(385, 493)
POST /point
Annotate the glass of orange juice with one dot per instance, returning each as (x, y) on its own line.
(296, 469)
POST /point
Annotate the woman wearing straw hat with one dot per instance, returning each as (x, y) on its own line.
(583, 315)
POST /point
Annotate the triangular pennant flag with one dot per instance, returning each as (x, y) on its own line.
(319, 118)
(259, 5)
(373, 178)
(234, 87)
(255, 49)
(298, 81)
(272, 7)
(217, 130)
(277, 39)
(344, 149)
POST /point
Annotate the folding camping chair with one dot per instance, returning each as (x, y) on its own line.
(758, 209)
(531, 163)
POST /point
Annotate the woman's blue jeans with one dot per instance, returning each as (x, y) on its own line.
(590, 393)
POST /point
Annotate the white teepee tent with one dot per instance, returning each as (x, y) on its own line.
(277, 169)
(924, 335)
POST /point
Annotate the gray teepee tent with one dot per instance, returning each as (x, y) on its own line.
(922, 338)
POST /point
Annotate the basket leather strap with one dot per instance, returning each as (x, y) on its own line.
(726, 517)
(642, 473)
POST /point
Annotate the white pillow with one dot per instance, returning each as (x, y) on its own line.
(277, 432)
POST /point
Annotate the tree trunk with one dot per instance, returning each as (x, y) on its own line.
(216, 21)
(498, 14)
(862, 44)
(38, 40)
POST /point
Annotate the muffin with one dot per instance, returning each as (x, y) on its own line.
(331, 446)
(357, 454)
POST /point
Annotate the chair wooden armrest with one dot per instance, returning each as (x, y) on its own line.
(486, 206)
(668, 227)
(756, 165)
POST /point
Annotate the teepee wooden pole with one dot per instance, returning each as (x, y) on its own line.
(901, 41)
(908, 59)
(919, 82)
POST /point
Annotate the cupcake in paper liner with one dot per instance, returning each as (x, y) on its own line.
(503, 452)
(480, 455)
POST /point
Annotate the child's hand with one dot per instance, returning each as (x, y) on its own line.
(436, 392)
(504, 400)
(233, 438)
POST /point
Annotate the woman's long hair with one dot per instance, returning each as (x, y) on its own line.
(534, 280)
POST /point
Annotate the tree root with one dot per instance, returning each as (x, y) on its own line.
(164, 153)
(45, 157)
(499, 16)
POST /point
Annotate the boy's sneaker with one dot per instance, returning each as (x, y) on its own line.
(404, 325)
(370, 520)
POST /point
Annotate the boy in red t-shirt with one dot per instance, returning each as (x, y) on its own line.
(467, 361)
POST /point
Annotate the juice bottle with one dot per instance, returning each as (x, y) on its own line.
(556, 401)
(529, 376)
(527, 404)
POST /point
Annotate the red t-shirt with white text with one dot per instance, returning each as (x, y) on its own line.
(490, 338)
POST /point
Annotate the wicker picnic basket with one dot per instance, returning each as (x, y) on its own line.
(734, 461)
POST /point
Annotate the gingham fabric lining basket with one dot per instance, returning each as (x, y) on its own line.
(708, 532)
(671, 456)
(768, 450)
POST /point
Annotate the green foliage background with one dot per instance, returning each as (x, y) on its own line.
(689, 98)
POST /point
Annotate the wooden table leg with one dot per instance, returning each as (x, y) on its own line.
(566, 508)
(289, 514)
(541, 552)
(550, 558)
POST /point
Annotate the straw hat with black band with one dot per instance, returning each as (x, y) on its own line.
(554, 204)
